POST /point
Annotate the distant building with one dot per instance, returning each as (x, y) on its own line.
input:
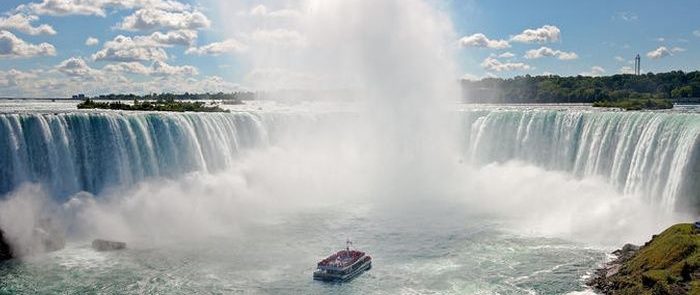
(79, 96)
(637, 65)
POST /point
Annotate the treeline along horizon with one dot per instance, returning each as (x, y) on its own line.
(675, 85)
(235, 96)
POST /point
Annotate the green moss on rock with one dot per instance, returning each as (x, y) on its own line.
(668, 264)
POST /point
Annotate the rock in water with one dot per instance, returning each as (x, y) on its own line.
(104, 245)
(5, 251)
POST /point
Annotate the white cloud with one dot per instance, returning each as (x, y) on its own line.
(13, 47)
(144, 48)
(677, 49)
(262, 11)
(218, 48)
(13, 77)
(549, 52)
(180, 37)
(64, 7)
(619, 58)
(595, 71)
(126, 49)
(696, 33)
(22, 22)
(493, 64)
(259, 10)
(158, 68)
(92, 41)
(127, 67)
(545, 34)
(663, 51)
(77, 67)
(96, 7)
(480, 40)
(627, 16)
(626, 70)
(148, 19)
(506, 55)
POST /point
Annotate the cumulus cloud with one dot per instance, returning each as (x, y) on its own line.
(663, 51)
(126, 49)
(13, 47)
(144, 48)
(619, 58)
(595, 71)
(545, 34)
(96, 7)
(493, 64)
(23, 23)
(218, 48)
(91, 41)
(480, 40)
(158, 68)
(696, 33)
(77, 67)
(64, 7)
(148, 19)
(180, 37)
(14, 78)
(549, 52)
(127, 67)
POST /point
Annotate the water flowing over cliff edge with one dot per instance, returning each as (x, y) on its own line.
(651, 154)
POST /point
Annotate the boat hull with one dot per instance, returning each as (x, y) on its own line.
(339, 278)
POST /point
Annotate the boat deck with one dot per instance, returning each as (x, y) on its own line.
(341, 259)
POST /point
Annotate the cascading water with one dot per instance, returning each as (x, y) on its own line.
(651, 154)
(71, 152)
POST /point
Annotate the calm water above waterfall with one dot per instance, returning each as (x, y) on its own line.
(248, 201)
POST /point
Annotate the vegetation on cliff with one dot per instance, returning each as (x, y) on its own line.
(633, 104)
(668, 264)
(158, 105)
(675, 85)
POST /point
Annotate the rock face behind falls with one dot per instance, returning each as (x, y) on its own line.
(5, 251)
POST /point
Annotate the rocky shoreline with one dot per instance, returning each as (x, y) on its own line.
(668, 264)
(5, 251)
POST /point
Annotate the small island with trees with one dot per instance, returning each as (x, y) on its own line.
(165, 102)
(626, 91)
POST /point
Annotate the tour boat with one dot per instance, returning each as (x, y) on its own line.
(343, 265)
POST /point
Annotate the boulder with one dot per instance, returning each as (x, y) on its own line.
(5, 251)
(104, 245)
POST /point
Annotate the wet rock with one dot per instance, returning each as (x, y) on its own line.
(626, 252)
(5, 251)
(104, 245)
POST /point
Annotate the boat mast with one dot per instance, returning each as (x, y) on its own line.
(347, 247)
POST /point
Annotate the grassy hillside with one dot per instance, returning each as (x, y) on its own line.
(668, 264)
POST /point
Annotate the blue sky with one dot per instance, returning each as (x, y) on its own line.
(180, 45)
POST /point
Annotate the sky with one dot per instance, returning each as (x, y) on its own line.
(57, 48)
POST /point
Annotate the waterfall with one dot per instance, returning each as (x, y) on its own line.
(651, 154)
(655, 155)
(72, 152)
